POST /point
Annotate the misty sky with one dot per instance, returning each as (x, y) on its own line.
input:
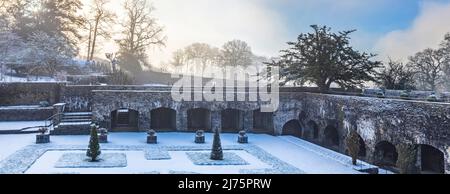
(390, 28)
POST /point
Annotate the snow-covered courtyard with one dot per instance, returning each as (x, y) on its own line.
(174, 154)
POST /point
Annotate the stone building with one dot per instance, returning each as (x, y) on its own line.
(323, 119)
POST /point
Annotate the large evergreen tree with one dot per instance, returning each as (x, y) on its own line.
(323, 58)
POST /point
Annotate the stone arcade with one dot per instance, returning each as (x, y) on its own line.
(319, 118)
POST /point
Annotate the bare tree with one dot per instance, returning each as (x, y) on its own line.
(236, 53)
(446, 47)
(141, 31)
(198, 55)
(428, 66)
(396, 76)
(99, 24)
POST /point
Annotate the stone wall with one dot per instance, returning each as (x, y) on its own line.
(29, 93)
(25, 113)
(376, 120)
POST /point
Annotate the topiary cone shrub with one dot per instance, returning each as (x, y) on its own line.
(94, 147)
(217, 152)
(353, 146)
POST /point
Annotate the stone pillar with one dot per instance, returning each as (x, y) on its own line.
(144, 121)
(447, 161)
(182, 120)
(419, 158)
(248, 120)
(216, 120)
(278, 123)
(58, 109)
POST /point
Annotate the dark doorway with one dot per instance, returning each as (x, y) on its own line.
(163, 119)
(293, 128)
(312, 131)
(432, 160)
(331, 136)
(385, 154)
(263, 122)
(199, 119)
(232, 120)
(124, 120)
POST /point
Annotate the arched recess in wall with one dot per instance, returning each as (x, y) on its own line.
(163, 119)
(125, 120)
(432, 160)
(293, 128)
(385, 154)
(263, 122)
(232, 120)
(199, 119)
(331, 136)
(311, 131)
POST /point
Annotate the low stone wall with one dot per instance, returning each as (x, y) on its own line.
(29, 93)
(25, 113)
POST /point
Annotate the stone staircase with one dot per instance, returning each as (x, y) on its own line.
(76, 123)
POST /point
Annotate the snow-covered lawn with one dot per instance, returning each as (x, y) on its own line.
(263, 154)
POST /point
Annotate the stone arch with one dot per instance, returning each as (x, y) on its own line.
(432, 160)
(232, 120)
(199, 119)
(385, 154)
(125, 119)
(163, 119)
(312, 130)
(331, 136)
(263, 122)
(293, 128)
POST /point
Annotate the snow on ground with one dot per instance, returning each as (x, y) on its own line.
(11, 143)
(19, 125)
(305, 159)
(137, 164)
(19, 107)
(8, 78)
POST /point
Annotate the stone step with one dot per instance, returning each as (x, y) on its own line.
(72, 128)
(76, 118)
(74, 123)
(78, 114)
(65, 120)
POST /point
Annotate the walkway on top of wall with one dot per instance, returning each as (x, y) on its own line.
(18, 127)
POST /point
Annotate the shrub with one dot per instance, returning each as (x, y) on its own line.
(44, 104)
(353, 146)
(432, 98)
(94, 147)
(217, 152)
